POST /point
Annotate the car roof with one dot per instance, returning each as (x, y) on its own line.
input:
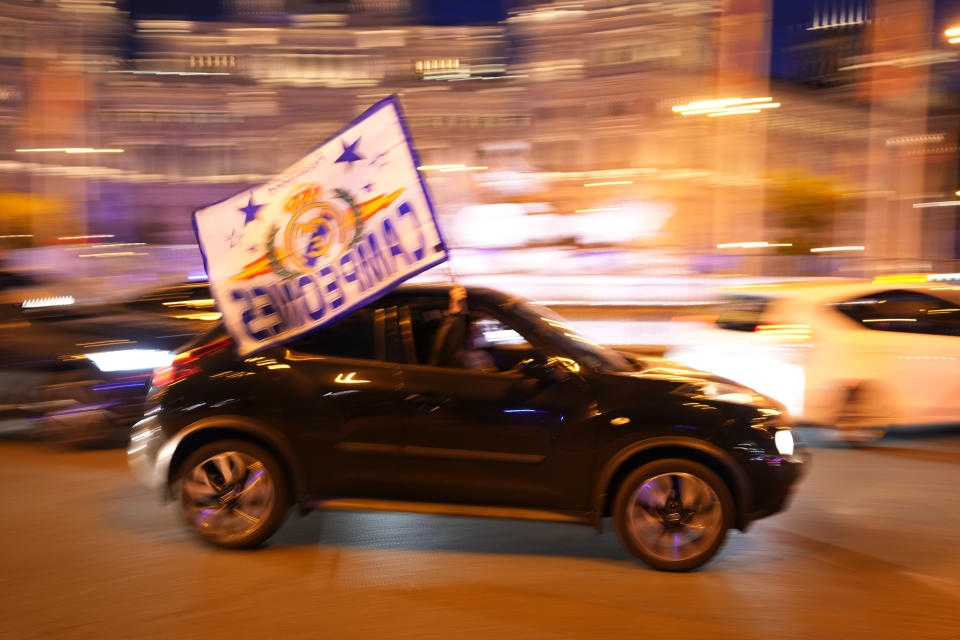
(406, 290)
(815, 292)
(491, 296)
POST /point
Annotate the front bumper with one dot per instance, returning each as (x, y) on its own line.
(775, 480)
(74, 403)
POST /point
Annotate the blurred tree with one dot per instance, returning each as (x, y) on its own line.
(804, 206)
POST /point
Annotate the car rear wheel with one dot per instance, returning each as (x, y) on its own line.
(232, 494)
(673, 514)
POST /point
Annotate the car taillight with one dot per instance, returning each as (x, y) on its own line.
(182, 365)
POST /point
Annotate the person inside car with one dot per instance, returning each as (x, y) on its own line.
(454, 343)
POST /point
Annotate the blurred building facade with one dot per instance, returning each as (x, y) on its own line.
(51, 54)
(565, 113)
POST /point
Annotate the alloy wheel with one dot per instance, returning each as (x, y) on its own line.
(675, 516)
(228, 495)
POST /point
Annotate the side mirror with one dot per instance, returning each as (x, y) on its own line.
(539, 367)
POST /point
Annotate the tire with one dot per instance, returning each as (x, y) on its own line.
(650, 521)
(232, 494)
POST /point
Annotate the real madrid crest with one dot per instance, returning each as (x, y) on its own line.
(317, 229)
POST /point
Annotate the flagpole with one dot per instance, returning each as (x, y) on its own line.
(450, 271)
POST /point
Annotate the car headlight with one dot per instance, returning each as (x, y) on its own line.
(54, 301)
(130, 359)
(784, 441)
(723, 392)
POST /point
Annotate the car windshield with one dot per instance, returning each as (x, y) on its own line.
(591, 353)
(182, 298)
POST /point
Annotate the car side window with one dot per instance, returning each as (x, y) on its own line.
(473, 340)
(494, 345)
(351, 337)
(904, 311)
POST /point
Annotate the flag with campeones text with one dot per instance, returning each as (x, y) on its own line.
(341, 227)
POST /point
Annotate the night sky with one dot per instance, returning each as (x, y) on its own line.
(440, 12)
(193, 9)
(447, 12)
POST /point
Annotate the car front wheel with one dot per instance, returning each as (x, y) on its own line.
(673, 514)
(232, 494)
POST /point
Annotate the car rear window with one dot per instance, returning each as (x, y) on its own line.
(741, 313)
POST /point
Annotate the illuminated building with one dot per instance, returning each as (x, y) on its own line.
(51, 55)
(564, 109)
(604, 76)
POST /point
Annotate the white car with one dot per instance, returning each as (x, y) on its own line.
(856, 356)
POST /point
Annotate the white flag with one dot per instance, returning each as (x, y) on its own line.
(338, 229)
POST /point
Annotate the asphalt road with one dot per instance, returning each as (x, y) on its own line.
(869, 549)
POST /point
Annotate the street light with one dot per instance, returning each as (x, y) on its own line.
(953, 35)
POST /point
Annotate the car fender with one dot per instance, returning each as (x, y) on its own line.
(610, 467)
(244, 426)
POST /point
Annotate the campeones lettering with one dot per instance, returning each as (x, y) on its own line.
(325, 261)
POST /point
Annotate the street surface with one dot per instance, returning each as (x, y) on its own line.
(869, 549)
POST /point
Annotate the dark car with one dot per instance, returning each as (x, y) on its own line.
(82, 371)
(502, 411)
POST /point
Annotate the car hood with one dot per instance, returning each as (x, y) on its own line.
(662, 370)
(654, 368)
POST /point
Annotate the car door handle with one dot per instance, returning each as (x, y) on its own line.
(426, 402)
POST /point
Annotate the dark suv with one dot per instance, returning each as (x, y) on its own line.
(503, 410)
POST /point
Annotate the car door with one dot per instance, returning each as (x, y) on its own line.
(478, 430)
(347, 400)
(908, 344)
